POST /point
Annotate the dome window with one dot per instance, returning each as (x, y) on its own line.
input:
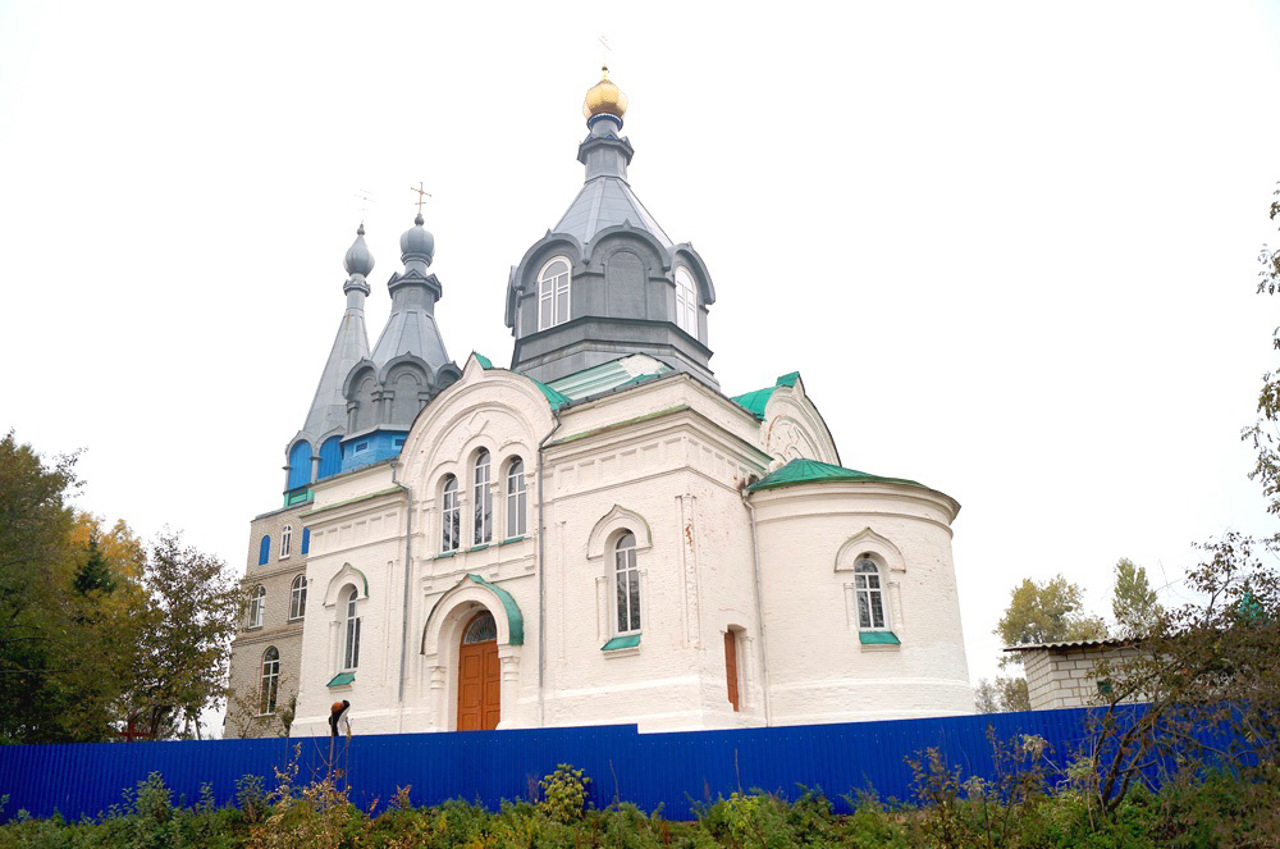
(686, 303)
(553, 293)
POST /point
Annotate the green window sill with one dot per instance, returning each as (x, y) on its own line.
(445, 554)
(878, 638)
(478, 547)
(513, 539)
(630, 641)
(342, 679)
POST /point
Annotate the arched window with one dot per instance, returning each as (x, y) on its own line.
(481, 630)
(269, 686)
(257, 606)
(299, 465)
(686, 303)
(866, 582)
(351, 649)
(450, 516)
(298, 598)
(553, 293)
(264, 550)
(286, 541)
(330, 457)
(483, 520)
(516, 499)
(626, 584)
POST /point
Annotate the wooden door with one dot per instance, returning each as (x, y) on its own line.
(479, 707)
(731, 665)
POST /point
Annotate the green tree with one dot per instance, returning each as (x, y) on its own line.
(37, 564)
(1004, 695)
(186, 626)
(1133, 601)
(1046, 613)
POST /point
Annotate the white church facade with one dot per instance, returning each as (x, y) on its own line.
(595, 535)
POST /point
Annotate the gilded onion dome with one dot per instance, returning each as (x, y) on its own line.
(604, 98)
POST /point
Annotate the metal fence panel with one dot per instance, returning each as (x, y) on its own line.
(676, 772)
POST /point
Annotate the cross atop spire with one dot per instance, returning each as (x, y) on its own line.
(422, 196)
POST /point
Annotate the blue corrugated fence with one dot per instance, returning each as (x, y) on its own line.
(675, 771)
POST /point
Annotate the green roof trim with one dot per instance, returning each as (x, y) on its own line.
(515, 619)
(755, 402)
(342, 679)
(811, 471)
(368, 497)
(628, 642)
(878, 638)
(558, 400)
(484, 361)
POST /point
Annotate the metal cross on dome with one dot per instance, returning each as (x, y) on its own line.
(422, 195)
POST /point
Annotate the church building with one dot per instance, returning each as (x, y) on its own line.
(596, 534)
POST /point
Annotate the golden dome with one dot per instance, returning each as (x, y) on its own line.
(604, 98)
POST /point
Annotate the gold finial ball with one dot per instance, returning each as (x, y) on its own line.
(604, 98)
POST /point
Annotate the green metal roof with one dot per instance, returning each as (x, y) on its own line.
(614, 374)
(554, 398)
(515, 619)
(754, 402)
(811, 471)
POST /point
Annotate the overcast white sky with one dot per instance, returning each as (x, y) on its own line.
(1010, 247)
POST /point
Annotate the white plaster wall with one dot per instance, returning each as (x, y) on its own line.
(366, 539)
(819, 671)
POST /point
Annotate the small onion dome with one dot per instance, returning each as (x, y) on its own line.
(417, 242)
(358, 259)
(604, 98)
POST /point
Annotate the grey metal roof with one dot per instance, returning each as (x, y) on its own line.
(411, 329)
(1071, 644)
(607, 201)
(350, 345)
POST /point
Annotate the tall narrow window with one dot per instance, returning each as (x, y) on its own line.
(516, 499)
(264, 550)
(286, 541)
(298, 598)
(483, 523)
(450, 516)
(686, 303)
(731, 666)
(257, 606)
(553, 293)
(351, 650)
(270, 684)
(866, 582)
(627, 584)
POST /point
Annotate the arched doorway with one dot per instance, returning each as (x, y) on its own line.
(479, 706)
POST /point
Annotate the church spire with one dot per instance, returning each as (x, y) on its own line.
(314, 453)
(607, 280)
(409, 364)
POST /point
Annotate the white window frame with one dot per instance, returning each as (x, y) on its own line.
(257, 606)
(517, 499)
(868, 588)
(482, 512)
(554, 293)
(627, 603)
(686, 302)
(298, 598)
(450, 516)
(286, 541)
(351, 633)
(269, 682)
